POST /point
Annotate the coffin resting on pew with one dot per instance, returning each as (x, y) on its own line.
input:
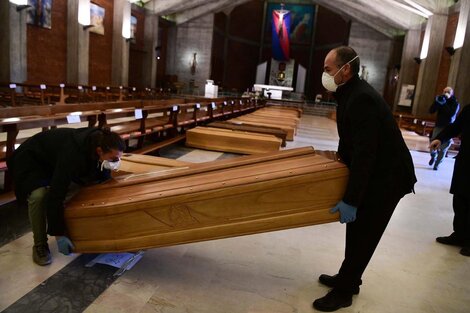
(279, 133)
(227, 140)
(221, 199)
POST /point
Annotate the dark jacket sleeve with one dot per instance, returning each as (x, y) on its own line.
(365, 124)
(454, 129)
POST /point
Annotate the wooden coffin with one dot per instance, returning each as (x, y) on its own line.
(231, 197)
(138, 163)
(279, 133)
(290, 130)
(227, 140)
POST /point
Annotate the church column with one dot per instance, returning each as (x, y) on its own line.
(408, 66)
(120, 61)
(460, 61)
(78, 41)
(13, 61)
(429, 67)
(150, 43)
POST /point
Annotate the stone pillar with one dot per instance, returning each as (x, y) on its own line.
(460, 63)
(120, 61)
(429, 67)
(78, 41)
(149, 71)
(374, 49)
(192, 37)
(411, 49)
(13, 40)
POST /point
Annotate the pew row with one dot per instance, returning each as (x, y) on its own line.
(234, 141)
(227, 198)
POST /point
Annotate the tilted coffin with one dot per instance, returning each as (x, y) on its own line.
(228, 140)
(227, 198)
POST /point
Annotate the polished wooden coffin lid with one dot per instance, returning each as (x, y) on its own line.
(227, 198)
(235, 141)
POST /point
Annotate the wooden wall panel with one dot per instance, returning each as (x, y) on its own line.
(47, 48)
(101, 46)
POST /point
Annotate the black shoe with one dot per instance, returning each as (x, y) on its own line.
(435, 168)
(333, 301)
(465, 251)
(330, 281)
(451, 240)
(431, 162)
(42, 255)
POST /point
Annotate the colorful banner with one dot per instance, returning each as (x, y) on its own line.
(281, 30)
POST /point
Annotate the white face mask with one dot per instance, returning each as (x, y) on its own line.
(447, 95)
(328, 81)
(114, 166)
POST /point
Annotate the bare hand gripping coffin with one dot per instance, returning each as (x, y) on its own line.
(227, 198)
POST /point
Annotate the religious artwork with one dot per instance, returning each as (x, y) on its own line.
(406, 95)
(282, 73)
(300, 24)
(97, 19)
(40, 13)
(280, 34)
(133, 28)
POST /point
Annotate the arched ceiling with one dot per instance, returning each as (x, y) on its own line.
(389, 17)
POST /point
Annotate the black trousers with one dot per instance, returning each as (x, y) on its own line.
(363, 235)
(461, 205)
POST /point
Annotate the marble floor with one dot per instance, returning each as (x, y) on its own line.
(273, 272)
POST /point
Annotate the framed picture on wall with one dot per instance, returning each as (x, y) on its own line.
(40, 13)
(406, 95)
(97, 19)
(133, 28)
(301, 26)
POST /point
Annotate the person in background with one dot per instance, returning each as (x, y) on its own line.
(44, 169)
(447, 107)
(460, 186)
(380, 167)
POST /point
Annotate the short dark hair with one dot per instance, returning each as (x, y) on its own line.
(345, 54)
(107, 140)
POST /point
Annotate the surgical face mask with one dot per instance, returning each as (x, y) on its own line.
(114, 166)
(328, 81)
(447, 94)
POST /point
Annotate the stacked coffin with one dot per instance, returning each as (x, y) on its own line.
(234, 141)
(227, 198)
(258, 132)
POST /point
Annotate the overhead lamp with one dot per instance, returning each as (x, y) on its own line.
(419, 7)
(461, 25)
(20, 4)
(126, 21)
(426, 39)
(84, 13)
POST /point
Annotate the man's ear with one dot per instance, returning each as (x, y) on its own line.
(99, 151)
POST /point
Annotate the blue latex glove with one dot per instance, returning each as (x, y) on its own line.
(347, 213)
(64, 244)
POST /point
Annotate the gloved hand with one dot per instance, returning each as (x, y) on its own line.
(441, 99)
(64, 244)
(347, 213)
(435, 144)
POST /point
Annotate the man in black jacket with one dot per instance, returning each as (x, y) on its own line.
(380, 166)
(47, 164)
(460, 186)
(447, 107)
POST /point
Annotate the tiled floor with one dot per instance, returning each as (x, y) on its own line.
(265, 273)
